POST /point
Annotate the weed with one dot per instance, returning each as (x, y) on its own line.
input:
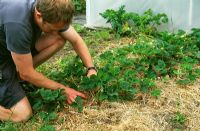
(178, 121)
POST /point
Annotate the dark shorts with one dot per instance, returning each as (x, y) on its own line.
(11, 91)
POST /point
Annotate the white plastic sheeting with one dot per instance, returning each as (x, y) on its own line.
(182, 14)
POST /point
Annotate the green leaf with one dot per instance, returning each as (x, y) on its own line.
(89, 83)
(38, 104)
(146, 84)
(184, 81)
(48, 95)
(161, 67)
(47, 127)
(102, 96)
(197, 54)
(78, 104)
(197, 71)
(179, 118)
(45, 116)
(8, 126)
(156, 93)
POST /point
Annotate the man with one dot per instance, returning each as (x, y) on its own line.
(31, 31)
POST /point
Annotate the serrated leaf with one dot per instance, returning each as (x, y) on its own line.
(48, 95)
(78, 104)
(38, 104)
(102, 96)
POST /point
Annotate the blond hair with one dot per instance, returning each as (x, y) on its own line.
(54, 11)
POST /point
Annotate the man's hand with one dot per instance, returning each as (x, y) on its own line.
(91, 72)
(72, 94)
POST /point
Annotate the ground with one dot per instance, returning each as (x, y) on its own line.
(144, 113)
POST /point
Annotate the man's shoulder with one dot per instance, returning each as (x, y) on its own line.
(19, 11)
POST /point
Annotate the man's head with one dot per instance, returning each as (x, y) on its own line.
(53, 12)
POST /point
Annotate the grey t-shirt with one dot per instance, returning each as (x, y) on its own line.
(18, 32)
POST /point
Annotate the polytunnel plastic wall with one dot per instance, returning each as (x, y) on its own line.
(182, 14)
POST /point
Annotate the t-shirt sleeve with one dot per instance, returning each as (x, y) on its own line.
(18, 38)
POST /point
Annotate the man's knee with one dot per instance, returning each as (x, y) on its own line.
(22, 111)
(48, 40)
(22, 117)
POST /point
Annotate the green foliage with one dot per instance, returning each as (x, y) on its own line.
(8, 126)
(46, 117)
(78, 104)
(120, 75)
(196, 34)
(169, 54)
(124, 23)
(79, 28)
(117, 19)
(49, 96)
(156, 93)
(46, 102)
(46, 127)
(102, 35)
(80, 6)
(178, 121)
(179, 118)
(46, 99)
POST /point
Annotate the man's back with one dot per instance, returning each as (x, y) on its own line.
(15, 11)
(16, 26)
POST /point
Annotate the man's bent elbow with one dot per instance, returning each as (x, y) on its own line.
(26, 75)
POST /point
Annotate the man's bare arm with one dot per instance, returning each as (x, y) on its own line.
(26, 71)
(80, 47)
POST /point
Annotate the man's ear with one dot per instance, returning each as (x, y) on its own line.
(38, 14)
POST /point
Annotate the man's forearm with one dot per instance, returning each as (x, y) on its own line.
(40, 80)
(82, 50)
(79, 46)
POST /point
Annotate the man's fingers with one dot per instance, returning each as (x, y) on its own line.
(73, 99)
(82, 95)
(69, 101)
(72, 94)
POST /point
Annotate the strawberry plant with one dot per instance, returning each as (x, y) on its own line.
(46, 103)
(117, 19)
(121, 76)
(78, 104)
(124, 23)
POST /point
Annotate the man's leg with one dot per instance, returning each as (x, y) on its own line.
(47, 46)
(20, 112)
